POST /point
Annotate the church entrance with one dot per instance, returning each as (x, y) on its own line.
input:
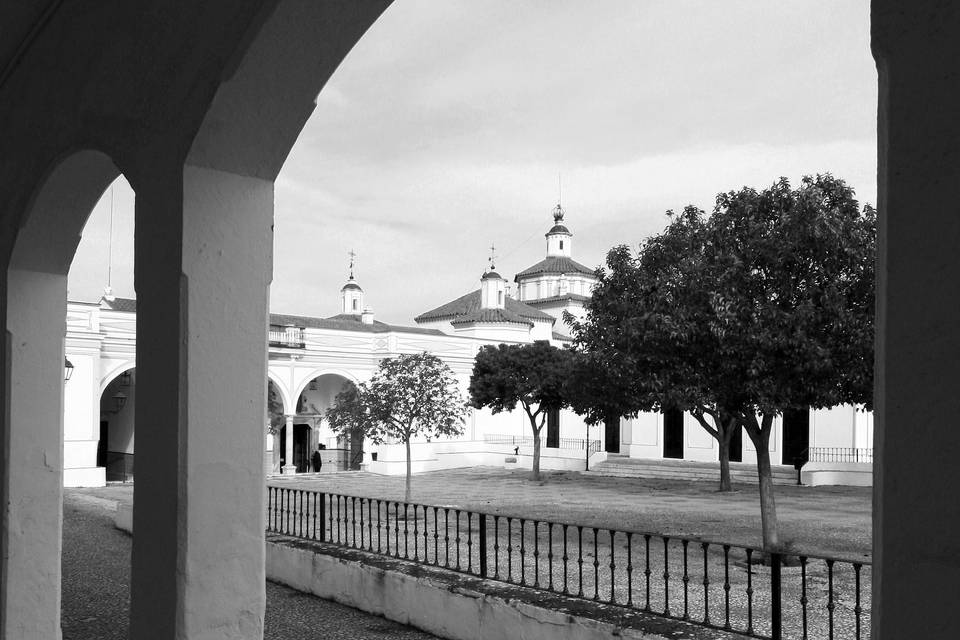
(796, 436)
(611, 434)
(673, 433)
(301, 447)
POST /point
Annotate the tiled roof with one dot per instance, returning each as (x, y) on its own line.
(560, 336)
(469, 303)
(576, 297)
(119, 304)
(345, 322)
(492, 315)
(555, 264)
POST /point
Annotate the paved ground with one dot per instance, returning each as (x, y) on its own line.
(96, 585)
(818, 520)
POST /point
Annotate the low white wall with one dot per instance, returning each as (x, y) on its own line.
(86, 477)
(430, 603)
(853, 474)
(434, 456)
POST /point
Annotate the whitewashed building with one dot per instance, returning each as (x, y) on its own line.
(311, 359)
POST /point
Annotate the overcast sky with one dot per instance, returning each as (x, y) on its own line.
(446, 127)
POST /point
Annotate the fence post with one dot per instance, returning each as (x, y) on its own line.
(483, 545)
(776, 604)
(323, 517)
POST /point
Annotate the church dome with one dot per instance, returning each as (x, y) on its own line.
(351, 286)
(559, 228)
(489, 275)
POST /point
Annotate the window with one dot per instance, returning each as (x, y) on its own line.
(561, 245)
(500, 298)
(354, 304)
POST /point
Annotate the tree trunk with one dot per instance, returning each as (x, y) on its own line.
(724, 442)
(406, 492)
(760, 435)
(536, 454)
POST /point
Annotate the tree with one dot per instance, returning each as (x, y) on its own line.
(768, 306)
(411, 395)
(533, 375)
(645, 327)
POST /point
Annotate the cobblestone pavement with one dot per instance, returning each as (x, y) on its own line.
(96, 585)
(818, 520)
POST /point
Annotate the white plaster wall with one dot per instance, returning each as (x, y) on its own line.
(834, 427)
(776, 438)
(698, 444)
(645, 436)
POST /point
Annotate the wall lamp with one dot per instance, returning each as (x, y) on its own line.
(67, 369)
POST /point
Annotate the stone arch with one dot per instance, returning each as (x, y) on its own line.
(284, 392)
(115, 373)
(118, 402)
(319, 373)
(35, 306)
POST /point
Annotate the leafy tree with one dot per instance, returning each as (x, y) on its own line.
(533, 375)
(764, 306)
(411, 395)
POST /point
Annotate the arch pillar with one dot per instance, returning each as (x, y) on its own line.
(203, 267)
(290, 468)
(916, 512)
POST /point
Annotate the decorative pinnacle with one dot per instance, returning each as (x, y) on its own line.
(558, 214)
(352, 255)
(493, 257)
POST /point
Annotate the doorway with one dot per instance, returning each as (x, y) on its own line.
(673, 433)
(301, 447)
(611, 434)
(796, 436)
(553, 428)
(736, 444)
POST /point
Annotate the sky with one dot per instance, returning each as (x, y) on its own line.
(450, 124)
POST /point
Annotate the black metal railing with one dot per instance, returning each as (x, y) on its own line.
(840, 454)
(119, 466)
(712, 584)
(527, 441)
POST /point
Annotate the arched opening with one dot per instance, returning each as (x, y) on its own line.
(337, 453)
(118, 403)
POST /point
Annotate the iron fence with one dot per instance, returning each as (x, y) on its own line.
(527, 441)
(840, 454)
(712, 584)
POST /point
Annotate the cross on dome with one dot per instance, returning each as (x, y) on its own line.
(352, 255)
(493, 257)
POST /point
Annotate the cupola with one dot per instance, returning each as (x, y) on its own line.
(559, 238)
(493, 288)
(351, 295)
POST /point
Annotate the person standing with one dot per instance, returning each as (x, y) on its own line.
(316, 460)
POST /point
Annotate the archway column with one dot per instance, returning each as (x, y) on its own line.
(917, 445)
(32, 456)
(203, 266)
(290, 468)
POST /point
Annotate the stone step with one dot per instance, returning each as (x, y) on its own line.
(623, 467)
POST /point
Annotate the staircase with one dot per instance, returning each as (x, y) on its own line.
(621, 466)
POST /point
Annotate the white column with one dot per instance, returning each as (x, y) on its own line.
(203, 267)
(290, 468)
(32, 460)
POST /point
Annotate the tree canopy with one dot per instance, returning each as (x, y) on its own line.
(533, 375)
(763, 306)
(411, 395)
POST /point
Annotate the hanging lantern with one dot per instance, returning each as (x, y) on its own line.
(67, 369)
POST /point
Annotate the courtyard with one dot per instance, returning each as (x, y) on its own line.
(834, 521)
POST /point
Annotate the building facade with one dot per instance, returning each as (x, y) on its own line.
(311, 359)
